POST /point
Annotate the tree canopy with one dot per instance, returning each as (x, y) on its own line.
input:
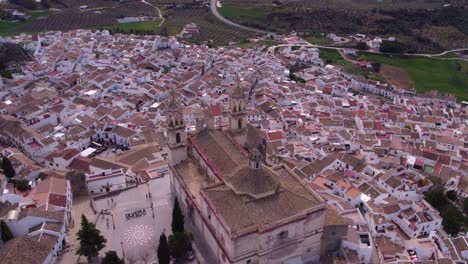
(91, 240)
(111, 257)
(452, 195)
(465, 205)
(177, 218)
(8, 168)
(437, 199)
(453, 221)
(164, 255)
(5, 232)
(180, 243)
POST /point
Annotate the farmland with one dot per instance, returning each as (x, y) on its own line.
(66, 21)
(348, 4)
(445, 76)
(102, 14)
(210, 27)
(425, 25)
(11, 28)
(177, 18)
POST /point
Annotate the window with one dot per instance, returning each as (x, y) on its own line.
(177, 136)
(239, 123)
(249, 261)
(283, 234)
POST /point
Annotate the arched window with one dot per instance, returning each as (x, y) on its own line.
(177, 137)
(239, 123)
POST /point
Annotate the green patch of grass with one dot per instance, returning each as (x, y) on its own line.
(238, 11)
(330, 56)
(318, 40)
(135, 26)
(445, 76)
(333, 57)
(248, 44)
(12, 28)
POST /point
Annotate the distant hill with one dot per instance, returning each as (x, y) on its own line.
(11, 53)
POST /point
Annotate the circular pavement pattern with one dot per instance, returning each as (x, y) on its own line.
(138, 235)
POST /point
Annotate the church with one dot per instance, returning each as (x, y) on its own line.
(243, 209)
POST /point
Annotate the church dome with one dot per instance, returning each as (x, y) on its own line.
(254, 179)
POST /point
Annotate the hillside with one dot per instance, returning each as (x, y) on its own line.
(11, 54)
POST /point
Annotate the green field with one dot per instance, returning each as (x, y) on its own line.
(247, 44)
(347, 4)
(211, 29)
(147, 26)
(333, 57)
(235, 11)
(11, 28)
(445, 76)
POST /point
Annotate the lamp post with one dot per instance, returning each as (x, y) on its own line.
(149, 193)
(113, 224)
(123, 252)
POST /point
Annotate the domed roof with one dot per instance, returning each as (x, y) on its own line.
(254, 182)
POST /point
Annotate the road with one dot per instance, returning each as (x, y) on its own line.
(215, 12)
(122, 4)
(157, 8)
(271, 49)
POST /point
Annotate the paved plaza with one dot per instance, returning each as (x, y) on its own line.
(131, 225)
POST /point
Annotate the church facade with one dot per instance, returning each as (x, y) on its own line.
(244, 210)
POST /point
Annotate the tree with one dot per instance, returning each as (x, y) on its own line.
(22, 185)
(465, 205)
(362, 46)
(164, 254)
(111, 257)
(7, 74)
(8, 168)
(91, 240)
(452, 195)
(437, 199)
(393, 47)
(77, 182)
(180, 243)
(5, 232)
(453, 220)
(177, 218)
(164, 32)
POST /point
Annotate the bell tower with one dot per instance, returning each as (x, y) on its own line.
(176, 134)
(237, 115)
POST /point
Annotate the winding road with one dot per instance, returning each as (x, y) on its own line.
(157, 8)
(271, 50)
(215, 12)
